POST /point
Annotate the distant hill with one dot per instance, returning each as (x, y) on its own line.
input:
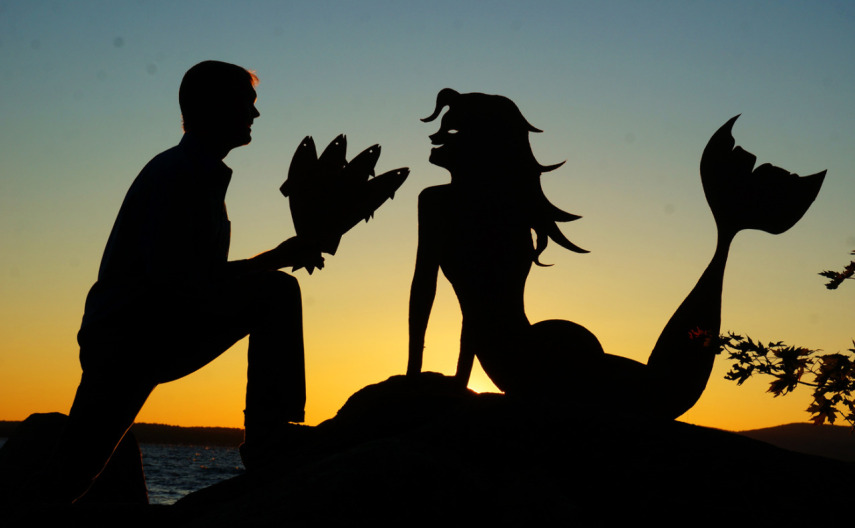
(831, 441)
(147, 433)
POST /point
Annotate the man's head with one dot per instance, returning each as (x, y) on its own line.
(217, 102)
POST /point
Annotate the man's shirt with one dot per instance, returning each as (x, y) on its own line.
(171, 235)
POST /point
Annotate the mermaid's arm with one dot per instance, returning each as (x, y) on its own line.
(464, 364)
(422, 294)
(423, 289)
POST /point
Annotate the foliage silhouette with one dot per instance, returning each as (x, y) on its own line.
(833, 374)
(837, 277)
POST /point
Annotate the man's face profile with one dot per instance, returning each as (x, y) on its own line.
(231, 120)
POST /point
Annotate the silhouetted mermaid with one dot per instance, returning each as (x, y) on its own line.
(478, 230)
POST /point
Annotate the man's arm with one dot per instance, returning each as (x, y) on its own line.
(294, 252)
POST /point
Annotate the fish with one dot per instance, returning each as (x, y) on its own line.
(329, 196)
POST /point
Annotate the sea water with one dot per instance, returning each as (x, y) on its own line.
(173, 471)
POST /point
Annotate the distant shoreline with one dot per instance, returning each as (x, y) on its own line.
(148, 433)
(832, 441)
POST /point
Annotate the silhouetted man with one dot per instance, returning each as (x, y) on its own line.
(168, 300)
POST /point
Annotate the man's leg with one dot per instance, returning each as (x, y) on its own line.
(104, 409)
(268, 307)
(158, 344)
(276, 380)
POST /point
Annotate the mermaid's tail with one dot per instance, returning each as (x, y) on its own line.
(767, 198)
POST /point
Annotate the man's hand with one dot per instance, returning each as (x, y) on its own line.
(295, 253)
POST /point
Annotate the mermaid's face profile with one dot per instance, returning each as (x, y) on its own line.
(449, 143)
(476, 132)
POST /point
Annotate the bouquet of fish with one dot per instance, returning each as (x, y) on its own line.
(329, 195)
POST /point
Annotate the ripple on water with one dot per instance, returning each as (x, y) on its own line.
(173, 471)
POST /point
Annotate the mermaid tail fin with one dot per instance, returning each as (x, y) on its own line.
(767, 198)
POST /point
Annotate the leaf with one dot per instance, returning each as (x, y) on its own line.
(739, 373)
(823, 411)
(784, 383)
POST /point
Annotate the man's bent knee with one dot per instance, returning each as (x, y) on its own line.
(280, 288)
(283, 282)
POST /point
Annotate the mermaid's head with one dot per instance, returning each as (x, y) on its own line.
(480, 131)
(487, 134)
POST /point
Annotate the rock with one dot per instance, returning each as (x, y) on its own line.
(418, 452)
(25, 453)
(404, 452)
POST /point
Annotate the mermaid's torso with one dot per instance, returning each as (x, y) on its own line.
(485, 252)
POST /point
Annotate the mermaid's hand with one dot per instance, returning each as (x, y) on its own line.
(767, 198)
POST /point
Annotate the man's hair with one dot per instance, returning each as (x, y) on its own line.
(206, 85)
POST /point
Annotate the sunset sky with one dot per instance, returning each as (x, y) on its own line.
(628, 93)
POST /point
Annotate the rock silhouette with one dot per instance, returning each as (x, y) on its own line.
(23, 458)
(427, 451)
